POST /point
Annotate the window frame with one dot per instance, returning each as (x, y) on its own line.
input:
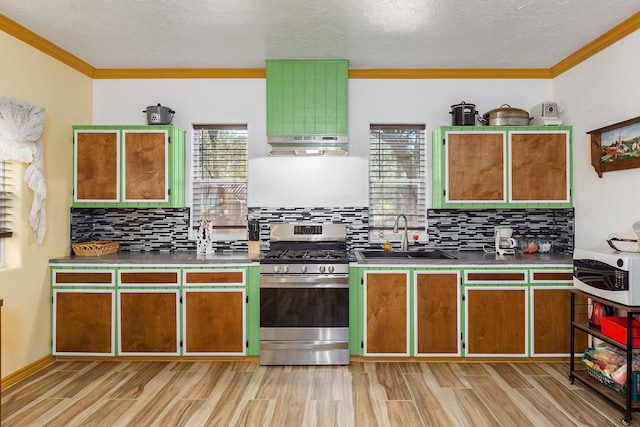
(194, 182)
(6, 198)
(418, 219)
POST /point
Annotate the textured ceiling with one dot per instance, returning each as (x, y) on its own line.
(369, 33)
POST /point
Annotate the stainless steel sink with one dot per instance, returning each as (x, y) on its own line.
(377, 254)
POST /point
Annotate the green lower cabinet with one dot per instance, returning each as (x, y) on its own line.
(387, 312)
(148, 311)
(496, 312)
(436, 319)
(155, 311)
(468, 312)
(83, 306)
(148, 321)
(405, 312)
(550, 302)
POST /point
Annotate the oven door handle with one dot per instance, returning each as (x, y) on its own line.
(310, 282)
(303, 345)
(303, 285)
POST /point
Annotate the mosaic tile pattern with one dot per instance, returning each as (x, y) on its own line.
(141, 230)
(167, 229)
(472, 229)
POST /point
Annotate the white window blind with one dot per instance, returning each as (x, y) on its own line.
(219, 179)
(396, 179)
(5, 200)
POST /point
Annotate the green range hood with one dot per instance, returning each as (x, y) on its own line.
(307, 107)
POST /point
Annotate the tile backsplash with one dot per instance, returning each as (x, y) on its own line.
(143, 229)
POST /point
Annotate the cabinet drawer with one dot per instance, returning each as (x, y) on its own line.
(495, 276)
(83, 278)
(149, 278)
(217, 277)
(551, 276)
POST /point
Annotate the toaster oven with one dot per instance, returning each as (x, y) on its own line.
(608, 274)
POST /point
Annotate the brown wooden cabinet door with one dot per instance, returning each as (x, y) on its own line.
(83, 322)
(437, 317)
(476, 167)
(214, 321)
(145, 166)
(496, 321)
(148, 321)
(97, 166)
(552, 322)
(386, 313)
(539, 166)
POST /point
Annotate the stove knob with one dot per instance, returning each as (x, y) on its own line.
(322, 269)
(304, 269)
(285, 269)
(331, 269)
(276, 268)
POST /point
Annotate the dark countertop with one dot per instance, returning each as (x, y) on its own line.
(467, 258)
(159, 258)
(464, 258)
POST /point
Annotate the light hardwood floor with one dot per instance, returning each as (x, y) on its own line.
(242, 393)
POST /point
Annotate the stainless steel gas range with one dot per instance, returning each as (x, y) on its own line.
(304, 296)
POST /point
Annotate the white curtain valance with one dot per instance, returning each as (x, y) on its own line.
(22, 140)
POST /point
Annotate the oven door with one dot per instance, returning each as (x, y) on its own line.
(304, 320)
(304, 302)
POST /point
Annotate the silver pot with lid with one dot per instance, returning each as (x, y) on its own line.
(159, 115)
(506, 115)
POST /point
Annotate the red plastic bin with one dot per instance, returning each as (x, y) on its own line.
(616, 327)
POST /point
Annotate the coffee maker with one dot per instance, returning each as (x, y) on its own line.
(505, 244)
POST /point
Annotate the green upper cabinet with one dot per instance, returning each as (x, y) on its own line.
(502, 166)
(128, 166)
(307, 97)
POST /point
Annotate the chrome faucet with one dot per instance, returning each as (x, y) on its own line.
(405, 238)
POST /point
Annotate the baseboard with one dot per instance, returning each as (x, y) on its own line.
(22, 373)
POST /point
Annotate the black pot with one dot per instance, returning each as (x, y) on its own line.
(463, 114)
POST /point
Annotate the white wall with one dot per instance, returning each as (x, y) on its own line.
(602, 91)
(302, 181)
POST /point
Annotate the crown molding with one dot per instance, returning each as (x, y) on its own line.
(29, 37)
(607, 39)
(451, 73)
(180, 73)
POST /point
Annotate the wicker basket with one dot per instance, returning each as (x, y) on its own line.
(95, 248)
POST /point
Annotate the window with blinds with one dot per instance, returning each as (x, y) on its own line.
(219, 179)
(397, 180)
(5, 200)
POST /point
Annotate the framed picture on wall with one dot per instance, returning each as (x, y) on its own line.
(616, 147)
